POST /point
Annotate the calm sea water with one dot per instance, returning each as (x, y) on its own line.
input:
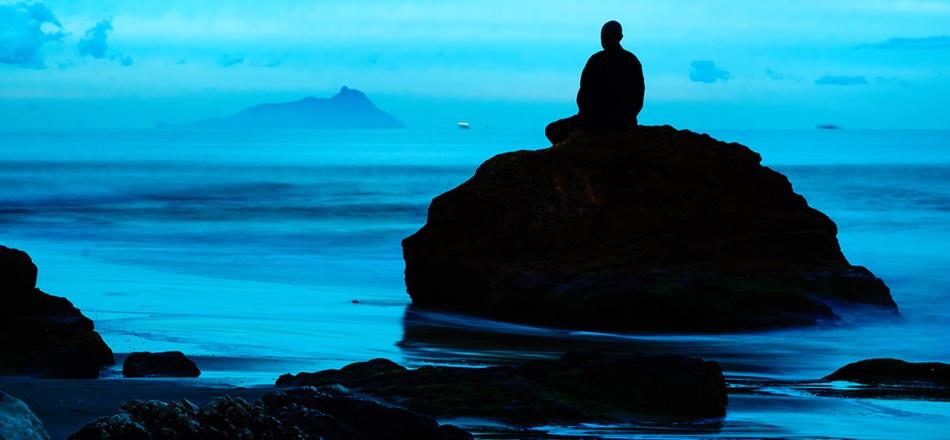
(250, 248)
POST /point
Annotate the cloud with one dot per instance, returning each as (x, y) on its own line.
(777, 76)
(24, 29)
(228, 60)
(925, 43)
(887, 80)
(276, 62)
(95, 43)
(830, 80)
(705, 71)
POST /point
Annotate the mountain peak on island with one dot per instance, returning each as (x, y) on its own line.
(348, 109)
(347, 93)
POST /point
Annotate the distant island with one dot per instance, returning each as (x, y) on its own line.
(828, 127)
(348, 109)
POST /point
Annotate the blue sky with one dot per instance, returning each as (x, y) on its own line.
(708, 64)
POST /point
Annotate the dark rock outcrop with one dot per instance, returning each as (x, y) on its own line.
(894, 372)
(653, 229)
(301, 413)
(164, 364)
(18, 422)
(577, 388)
(40, 334)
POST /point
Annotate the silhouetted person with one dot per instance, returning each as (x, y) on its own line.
(611, 93)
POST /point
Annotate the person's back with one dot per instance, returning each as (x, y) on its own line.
(611, 92)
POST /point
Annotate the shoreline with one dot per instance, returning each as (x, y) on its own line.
(755, 406)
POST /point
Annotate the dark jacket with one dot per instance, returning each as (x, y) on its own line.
(611, 93)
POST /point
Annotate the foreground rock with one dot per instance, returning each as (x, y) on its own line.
(17, 422)
(164, 364)
(301, 413)
(40, 334)
(649, 230)
(576, 388)
(894, 372)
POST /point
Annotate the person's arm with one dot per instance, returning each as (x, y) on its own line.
(639, 87)
(583, 93)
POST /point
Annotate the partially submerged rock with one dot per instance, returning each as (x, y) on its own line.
(17, 422)
(40, 334)
(577, 388)
(882, 378)
(894, 372)
(653, 229)
(302, 413)
(164, 364)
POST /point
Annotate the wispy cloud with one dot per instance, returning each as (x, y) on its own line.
(831, 80)
(925, 43)
(706, 71)
(24, 29)
(276, 62)
(776, 76)
(887, 80)
(228, 60)
(95, 43)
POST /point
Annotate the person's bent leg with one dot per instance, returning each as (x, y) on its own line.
(559, 130)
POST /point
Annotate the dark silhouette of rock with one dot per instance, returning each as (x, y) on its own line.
(611, 91)
(40, 334)
(651, 229)
(302, 413)
(18, 422)
(164, 364)
(894, 371)
(348, 109)
(579, 387)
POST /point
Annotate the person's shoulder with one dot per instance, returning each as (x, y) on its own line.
(630, 57)
(597, 56)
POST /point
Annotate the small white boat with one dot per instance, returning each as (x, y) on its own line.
(464, 125)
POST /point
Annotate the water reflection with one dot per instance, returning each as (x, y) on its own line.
(796, 354)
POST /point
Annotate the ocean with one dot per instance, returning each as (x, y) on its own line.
(273, 252)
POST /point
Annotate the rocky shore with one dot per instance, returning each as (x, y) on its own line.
(577, 388)
(299, 413)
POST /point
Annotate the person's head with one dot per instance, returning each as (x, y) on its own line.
(611, 34)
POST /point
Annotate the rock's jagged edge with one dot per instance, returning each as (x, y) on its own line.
(294, 414)
(40, 334)
(577, 388)
(653, 229)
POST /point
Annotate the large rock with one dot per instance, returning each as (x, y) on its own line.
(894, 372)
(303, 413)
(576, 388)
(164, 364)
(40, 334)
(653, 229)
(17, 422)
